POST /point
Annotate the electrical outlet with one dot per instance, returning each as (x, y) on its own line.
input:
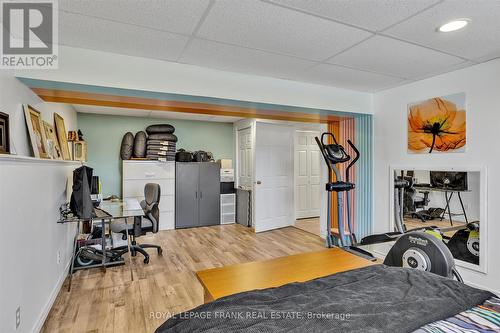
(18, 317)
(58, 257)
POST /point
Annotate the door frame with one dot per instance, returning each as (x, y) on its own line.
(245, 123)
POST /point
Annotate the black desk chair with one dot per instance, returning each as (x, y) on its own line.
(414, 204)
(142, 224)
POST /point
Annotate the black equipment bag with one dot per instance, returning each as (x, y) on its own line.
(81, 202)
(200, 156)
(183, 156)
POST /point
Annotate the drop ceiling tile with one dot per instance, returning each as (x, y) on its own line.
(96, 34)
(374, 15)
(479, 40)
(268, 27)
(179, 16)
(446, 70)
(341, 77)
(238, 59)
(392, 57)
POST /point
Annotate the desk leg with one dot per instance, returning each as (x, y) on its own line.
(463, 208)
(73, 255)
(129, 250)
(103, 244)
(447, 207)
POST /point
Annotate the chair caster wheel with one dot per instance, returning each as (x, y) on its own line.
(160, 252)
(146, 260)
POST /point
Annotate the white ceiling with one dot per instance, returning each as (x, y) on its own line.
(151, 114)
(366, 45)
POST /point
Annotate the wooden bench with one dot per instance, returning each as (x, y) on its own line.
(228, 280)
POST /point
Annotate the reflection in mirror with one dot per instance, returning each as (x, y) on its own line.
(443, 201)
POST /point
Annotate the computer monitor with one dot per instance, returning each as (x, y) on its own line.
(449, 180)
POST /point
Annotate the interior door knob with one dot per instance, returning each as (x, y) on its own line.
(259, 182)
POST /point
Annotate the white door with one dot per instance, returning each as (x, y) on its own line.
(245, 158)
(273, 177)
(307, 175)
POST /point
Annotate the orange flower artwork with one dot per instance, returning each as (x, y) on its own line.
(437, 125)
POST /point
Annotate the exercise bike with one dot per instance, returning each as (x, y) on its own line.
(421, 249)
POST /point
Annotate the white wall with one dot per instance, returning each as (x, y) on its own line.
(481, 83)
(113, 70)
(31, 192)
(12, 95)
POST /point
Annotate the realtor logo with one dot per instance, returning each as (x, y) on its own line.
(29, 34)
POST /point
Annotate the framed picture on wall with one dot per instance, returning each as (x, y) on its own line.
(79, 150)
(36, 132)
(437, 125)
(4, 133)
(62, 136)
(52, 143)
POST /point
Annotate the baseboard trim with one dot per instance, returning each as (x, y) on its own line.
(496, 292)
(48, 306)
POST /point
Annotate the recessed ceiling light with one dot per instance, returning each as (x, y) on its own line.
(453, 25)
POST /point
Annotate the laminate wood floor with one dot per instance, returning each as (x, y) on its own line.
(417, 223)
(111, 302)
(310, 225)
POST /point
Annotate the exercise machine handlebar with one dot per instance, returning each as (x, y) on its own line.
(356, 158)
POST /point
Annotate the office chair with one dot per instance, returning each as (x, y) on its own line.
(414, 202)
(142, 224)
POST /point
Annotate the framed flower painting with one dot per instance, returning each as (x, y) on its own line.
(437, 125)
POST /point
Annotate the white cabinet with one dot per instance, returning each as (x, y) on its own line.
(227, 208)
(136, 174)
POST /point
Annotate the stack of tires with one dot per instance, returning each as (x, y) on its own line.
(161, 142)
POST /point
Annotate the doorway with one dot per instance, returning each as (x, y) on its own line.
(307, 176)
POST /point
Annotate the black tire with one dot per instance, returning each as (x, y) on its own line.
(127, 146)
(163, 137)
(82, 262)
(160, 128)
(140, 144)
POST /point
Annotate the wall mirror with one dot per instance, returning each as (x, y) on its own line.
(449, 199)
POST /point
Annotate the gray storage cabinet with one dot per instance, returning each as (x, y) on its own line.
(197, 190)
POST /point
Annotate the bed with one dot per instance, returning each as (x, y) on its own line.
(370, 299)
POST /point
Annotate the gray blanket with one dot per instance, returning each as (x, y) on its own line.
(371, 299)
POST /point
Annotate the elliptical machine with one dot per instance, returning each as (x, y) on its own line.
(335, 154)
(421, 249)
(399, 197)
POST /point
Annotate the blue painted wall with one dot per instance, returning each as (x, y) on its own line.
(364, 176)
(104, 133)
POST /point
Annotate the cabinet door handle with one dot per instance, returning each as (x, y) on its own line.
(196, 195)
(201, 195)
